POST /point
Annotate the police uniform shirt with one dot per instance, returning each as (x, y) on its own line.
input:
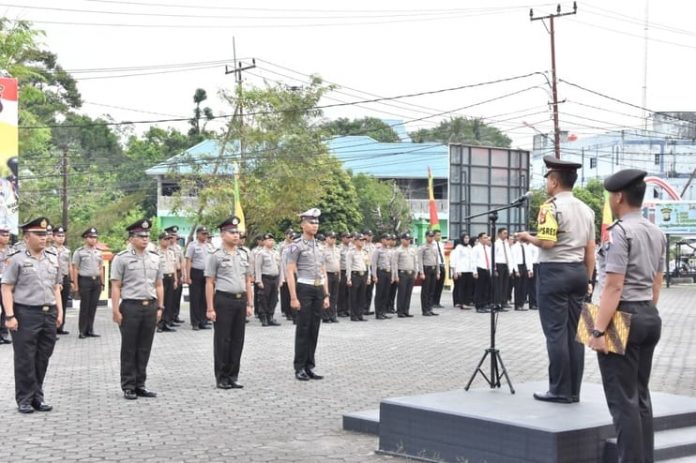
(267, 262)
(332, 258)
(252, 260)
(34, 279)
(88, 261)
(4, 253)
(569, 223)
(356, 261)
(168, 260)
(405, 259)
(230, 270)
(427, 256)
(344, 248)
(178, 253)
(198, 253)
(63, 254)
(637, 251)
(138, 274)
(381, 259)
(308, 258)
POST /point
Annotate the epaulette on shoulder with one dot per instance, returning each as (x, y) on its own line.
(50, 252)
(123, 253)
(154, 252)
(297, 240)
(614, 223)
(550, 200)
(15, 252)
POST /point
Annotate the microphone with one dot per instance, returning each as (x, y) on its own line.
(523, 198)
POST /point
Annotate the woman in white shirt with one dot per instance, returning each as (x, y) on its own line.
(461, 264)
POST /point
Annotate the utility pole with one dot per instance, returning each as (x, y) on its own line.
(237, 70)
(554, 91)
(64, 193)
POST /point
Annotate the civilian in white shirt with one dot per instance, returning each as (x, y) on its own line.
(481, 258)
(522, 272)
(504, 266)
(462, 270)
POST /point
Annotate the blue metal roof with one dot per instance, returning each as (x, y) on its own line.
(365, 155)
(200, 159)
(360, 154)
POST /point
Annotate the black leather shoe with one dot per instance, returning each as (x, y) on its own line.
(313, 375)
(334, 320)
(94, 335)
(195, 328)
(548, 397)
(381, 317)
(62, 332)
(178, 320)
(224, 384)
(165, 329)
(401, 315)
(521, 309)
(5, 340)
(408, 315)
(575, 398)
(438, 306)
(264, 322)
(25, 408)
(302, 376)
(82, 336)
(433, 314)
(203, 326)
(369, 313)
(361, 319)
(129, 394)
(427, 314)
(41, 406)
(235, 385)
(273, 322)
(142, 392)
(533, 307)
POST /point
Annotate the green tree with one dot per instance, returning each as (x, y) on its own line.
(369, 126)
(383, 206)
(339, 204)
(471, 131)
(197, 132)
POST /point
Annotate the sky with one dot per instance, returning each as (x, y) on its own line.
(141, 60)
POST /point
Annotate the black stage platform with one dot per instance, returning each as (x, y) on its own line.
(492, 425)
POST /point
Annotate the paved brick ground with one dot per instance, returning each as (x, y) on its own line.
(275, 417)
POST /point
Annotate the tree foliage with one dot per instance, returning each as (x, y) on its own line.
(369, 126)
(470, 131)
(383, 206)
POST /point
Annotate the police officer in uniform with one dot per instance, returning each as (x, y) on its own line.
(63, 254)
(369, 285)
(173, 232)
(391, 242)
(5, 250)
(88, 275)
(169, 282)
(284, 294)
(357, 259)
(633, 265)
(196, 254)
(309, 293)
(137, 299)
(429, 270)
(405, 264)
(382, 277)
(267, 263)
(332, 264)
(343, 299)
(566, 238)
(229, 300)
(32, 304)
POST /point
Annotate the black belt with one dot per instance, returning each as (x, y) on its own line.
(89, 278)
(356, 272)
(168, 275)
(332, 273)
(43, 308)
(232, 295)
(408, 272)
(429, 266)
(388, 270)
(265, 275)
(143, 302)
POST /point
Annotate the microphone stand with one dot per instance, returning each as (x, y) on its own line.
(496, 372)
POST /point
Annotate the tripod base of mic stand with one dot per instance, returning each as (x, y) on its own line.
(496, 373)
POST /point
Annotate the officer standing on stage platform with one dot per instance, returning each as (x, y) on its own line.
(173, 232)
(63, 254)
(566, 238)
(31, 300)
(405, 265)
(633, 266)
(88, 277)
(229, 300)
(5, 250)
(137, 302)
(309, 293)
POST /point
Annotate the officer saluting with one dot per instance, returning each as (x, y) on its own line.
(309, 293)
(136, 301)
(566, 238)
(31, 299)
(229, 300)
(633, 265)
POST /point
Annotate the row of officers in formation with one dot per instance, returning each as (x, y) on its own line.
(321, 281)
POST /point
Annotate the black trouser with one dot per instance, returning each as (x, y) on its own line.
(177, 297)
(137, 332)
(228, 338)
(64, 294)
(90, 288)
(502, 283)
(334, 279)
(33, 344)
(285, 301)
(197, 297)
(403, 297)
(369, 289)
(439, 285)
(482, 293)
(343, 302)
(521, 285)
(268, 296)
(393, 288)
(308, 322)
(532, 286)
(356, 294)
(169, 294)
(625, 379)
(561, 288)
(428, 288)
(382, 293)
(463, 293)
(3, 328)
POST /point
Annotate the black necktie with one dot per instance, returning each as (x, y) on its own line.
(524, 256)
(439, 252)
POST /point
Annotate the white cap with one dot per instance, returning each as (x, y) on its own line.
(312, 213)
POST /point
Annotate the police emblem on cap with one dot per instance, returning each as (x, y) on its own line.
(43, 224)
(235, 220)
(145, 225)
(92, 230)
